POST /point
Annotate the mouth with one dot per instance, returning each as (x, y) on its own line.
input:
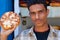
(38, 22)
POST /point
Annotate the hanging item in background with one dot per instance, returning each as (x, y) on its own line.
(24, 21)
(9, 20)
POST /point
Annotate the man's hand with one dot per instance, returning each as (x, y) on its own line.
(9, 22)
(5, 33)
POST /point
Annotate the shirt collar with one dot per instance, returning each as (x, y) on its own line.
(31, 30)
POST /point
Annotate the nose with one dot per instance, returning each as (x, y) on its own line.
(37, 16)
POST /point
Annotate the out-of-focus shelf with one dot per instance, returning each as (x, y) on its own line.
(52, 3)
(55, 4)
(56, 27)
(23, 5)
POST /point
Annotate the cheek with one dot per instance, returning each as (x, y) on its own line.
(43, 16)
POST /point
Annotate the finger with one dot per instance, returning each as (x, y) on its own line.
(11, 30)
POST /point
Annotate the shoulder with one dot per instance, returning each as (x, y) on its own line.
(25, 32)
(22, 34)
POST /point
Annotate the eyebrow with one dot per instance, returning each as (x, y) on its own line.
(38, 10)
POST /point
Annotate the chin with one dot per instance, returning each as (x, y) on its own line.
(39, 25)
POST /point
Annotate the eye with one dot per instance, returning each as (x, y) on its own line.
(32, 13)
(41, 11)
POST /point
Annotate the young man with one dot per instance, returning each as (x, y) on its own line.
(41, 30)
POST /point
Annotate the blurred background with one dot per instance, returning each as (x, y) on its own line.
(20, 7)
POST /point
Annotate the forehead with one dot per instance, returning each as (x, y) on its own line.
(36, 7)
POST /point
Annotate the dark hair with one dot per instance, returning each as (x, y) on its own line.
(32, 2)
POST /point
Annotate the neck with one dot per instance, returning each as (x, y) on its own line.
(42, 28)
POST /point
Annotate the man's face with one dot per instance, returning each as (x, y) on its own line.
(38, 14)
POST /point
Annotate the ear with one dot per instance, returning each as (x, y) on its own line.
(47, 12)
